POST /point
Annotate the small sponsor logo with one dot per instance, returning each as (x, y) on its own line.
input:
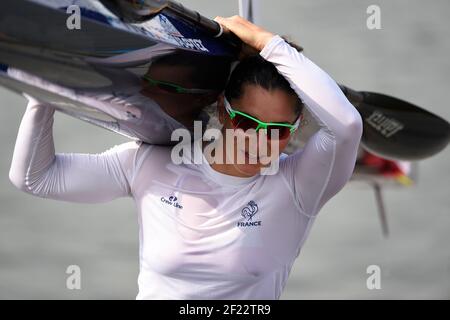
(383, 124)
(172, 201)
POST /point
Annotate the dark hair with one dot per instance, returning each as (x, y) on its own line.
(208, 72)
(255, 70)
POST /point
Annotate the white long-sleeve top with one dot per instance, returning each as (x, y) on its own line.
(204, 234)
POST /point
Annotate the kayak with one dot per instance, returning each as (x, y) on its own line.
(88, 59)
(92, 72)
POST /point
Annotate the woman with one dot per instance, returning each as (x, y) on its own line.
(215, 230)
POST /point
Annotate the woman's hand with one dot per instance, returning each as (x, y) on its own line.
(253, 36)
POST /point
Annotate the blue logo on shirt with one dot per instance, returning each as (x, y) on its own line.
(172, 200)
(248, 212)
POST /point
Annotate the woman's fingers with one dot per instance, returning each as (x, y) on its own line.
(252, 35)
(227, 23)
(237, 25)
(222, 23)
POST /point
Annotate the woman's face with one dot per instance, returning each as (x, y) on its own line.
(268, 106)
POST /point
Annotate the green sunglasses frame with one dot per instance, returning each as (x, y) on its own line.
(176, 88)
(261, 124)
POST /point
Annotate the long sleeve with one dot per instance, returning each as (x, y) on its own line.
(322, 168)
(75, 177)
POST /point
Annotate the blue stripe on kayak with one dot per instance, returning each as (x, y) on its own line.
(99, 17)
(214, 46)
(91, 14)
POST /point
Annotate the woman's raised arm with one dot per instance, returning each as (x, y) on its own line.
(75, 177)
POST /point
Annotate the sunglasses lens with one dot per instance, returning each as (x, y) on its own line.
(243, 123)
(273, 131)
(280, 132)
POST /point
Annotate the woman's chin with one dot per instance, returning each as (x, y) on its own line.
(248, 169)
(249, 165)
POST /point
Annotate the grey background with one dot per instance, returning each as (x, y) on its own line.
(407, 58)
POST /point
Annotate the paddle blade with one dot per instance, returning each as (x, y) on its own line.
(399, 130)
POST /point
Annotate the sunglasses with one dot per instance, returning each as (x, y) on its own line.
(274, 130)
(174, 88)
